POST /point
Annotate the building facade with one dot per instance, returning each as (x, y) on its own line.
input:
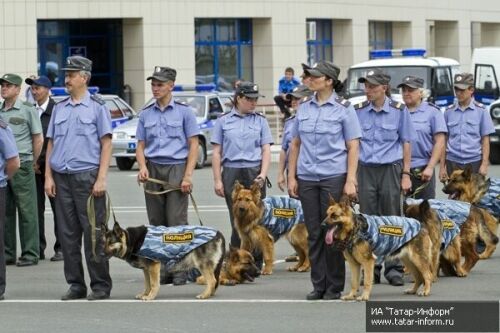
(223, 40)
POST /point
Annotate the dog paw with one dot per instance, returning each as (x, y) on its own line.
(303, 269)
(423, 293)
(462, 274)
(229, 283)
(267, 272)
(203, 296)
(139, 296)
(292, 269)
(147, 298)
(363, 298)
(410, 292)
(349, 297)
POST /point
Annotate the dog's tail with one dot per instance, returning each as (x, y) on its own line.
(218, 267)
(487, 235)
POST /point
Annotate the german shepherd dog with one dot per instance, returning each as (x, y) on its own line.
(418, 254)
(248, 212)
(239, 266)
(125, 244)
(481, 226)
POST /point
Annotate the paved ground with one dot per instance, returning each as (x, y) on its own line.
(269, 304)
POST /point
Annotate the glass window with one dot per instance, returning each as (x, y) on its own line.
(204, 30)
(228, 71)
(127, 111)
(442, 82)
(214, 105)
(380, 35)
(320, 48)
(197, 103)
(115, 111)
(485, 78)
(226, 30)
(204, 55)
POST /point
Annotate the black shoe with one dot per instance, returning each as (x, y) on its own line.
(396, 281)
(10, 262)
(331, 296)
(26, 262)
(97, 295)
(2, 297)
(42, 256)
(58, 256)
(314, 295)
(71, 295)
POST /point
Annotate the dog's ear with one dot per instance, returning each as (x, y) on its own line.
(405, 206)
(483, 187)
(233, 252)
(255, 188)
(467, 172)
(104, 227)
(331, 200)
(425, 211)
(345, 201)
(117, 229)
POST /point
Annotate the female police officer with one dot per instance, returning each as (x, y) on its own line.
(430, 126)
(324, 158)
(242, 147)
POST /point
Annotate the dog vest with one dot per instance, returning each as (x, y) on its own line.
(452, 214)
(171, 244)
(491, 200)
(281, 214)
(387, 234)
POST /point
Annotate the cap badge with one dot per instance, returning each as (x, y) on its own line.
(315, 65)
(157, 69)
(6, 76)
(295, 89)
(459, 78)
(68, 61)
(255, 88)
(370, 73)
(407, 79)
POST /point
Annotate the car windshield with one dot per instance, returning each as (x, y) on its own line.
(196, 102)
(397, 74)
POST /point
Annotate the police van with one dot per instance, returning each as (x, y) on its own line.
(437, 73)
(120, 111)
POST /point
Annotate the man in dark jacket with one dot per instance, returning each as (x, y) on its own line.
(40, 88)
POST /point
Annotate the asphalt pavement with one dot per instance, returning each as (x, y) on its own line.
(270, 304)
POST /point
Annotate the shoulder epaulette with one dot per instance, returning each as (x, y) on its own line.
(481, 105)
(3, 124)
(260, 114)
(225, 114)
(97, 98)
(397, 105)
(63, 100)
(434, 106)
(28, 103)
(361, 105)
(151, 102)
(452, 106)
(342, 101)
(290, 118)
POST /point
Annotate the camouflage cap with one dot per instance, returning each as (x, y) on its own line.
(324, 68)
(78, 63)
(299, 92)
(375, 76)
(248, 89)
(412, 82)
(163, 74)
(11, 78)
(463, 81)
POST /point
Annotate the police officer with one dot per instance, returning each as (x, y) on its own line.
(324, 158)
(385, 157)
(469, 126)
(40, 90)
(429, 145)
(241, 142)
(21, 189)
(78, 154)
(167, 149)
(9, 164)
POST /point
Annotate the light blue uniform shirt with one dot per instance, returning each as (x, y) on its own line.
(166, 132)
(241, 138)
(8, 150)
(384, 132)
(323, 131)
(76, 131)
(427, 120)
(465, 130)
(286, 139)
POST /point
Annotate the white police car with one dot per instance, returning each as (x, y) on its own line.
(120, 111)
(206, 105)
(437, 73)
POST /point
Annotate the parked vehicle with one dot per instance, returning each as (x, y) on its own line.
(436, 71)
(485, 66)
(207, 107)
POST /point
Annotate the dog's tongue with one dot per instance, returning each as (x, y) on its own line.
(329, 236)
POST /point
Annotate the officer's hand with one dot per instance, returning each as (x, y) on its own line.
(50, 187)
(351, 189)
(281, 182)
(186, 185)
(36, 168)
(99, 188)
(483, 170)
(426, 175)
(260, 180)
(293, 188)
(219, 188)
(443, 174)
(143, 175)
(405, 183)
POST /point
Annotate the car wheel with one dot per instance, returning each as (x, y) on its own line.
(495, 154)
(124, 163)
(202, 156)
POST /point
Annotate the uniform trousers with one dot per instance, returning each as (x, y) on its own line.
(450, 166)
(72, 193)
(21, 196)
(429, 191)
(2, 250)
(379, 188)
(327, 263)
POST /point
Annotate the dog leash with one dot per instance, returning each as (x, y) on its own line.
(92, 219)
(167, 188)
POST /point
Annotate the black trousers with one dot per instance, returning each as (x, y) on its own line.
(2, 235)
(283, 105)
(40, 193)
(450, 166)
(429, 191)
(379, 189)
(327, 263)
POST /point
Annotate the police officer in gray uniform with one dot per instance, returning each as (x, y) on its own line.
(469, 128)
(385, 157)
(322, 164)
(78, 154)
(9, 164)
(167, 148)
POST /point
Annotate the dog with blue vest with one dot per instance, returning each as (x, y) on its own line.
(366, 239)
(179, 248)
(262, 222)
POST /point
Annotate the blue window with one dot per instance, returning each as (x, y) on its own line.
(223, 51)
(319, 40)
(380, 35)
